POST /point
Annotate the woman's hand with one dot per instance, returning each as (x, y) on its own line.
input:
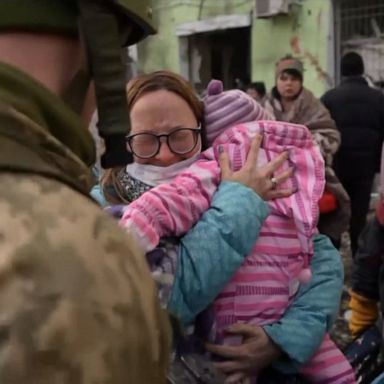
(260, 179)
(256, 352)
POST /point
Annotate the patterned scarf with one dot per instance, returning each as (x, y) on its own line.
(163, 259)
(131, 187)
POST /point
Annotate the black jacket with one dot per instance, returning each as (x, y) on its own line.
(358, 111)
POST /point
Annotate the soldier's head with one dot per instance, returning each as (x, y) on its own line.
(67, 43)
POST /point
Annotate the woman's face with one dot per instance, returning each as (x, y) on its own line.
(163, 112)
(288, 86)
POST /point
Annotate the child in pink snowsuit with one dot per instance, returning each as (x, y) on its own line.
(269, 278)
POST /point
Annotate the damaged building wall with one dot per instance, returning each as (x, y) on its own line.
(163, 50)
(307, 33)
(304, 32)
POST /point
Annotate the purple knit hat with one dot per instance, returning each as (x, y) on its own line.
(226, 109)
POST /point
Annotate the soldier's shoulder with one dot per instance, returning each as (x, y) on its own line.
(72, 279)
(44, 218)
(58, 210)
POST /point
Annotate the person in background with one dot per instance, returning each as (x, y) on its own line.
(290, 101)
(367, 288)
(358, 111)
(257, 91)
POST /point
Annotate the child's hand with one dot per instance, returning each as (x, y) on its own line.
(260, 179)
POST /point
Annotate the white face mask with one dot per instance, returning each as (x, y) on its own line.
(154, 175)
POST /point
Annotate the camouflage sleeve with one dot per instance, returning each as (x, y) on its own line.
(78, 303)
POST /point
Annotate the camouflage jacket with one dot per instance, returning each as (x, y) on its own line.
(78, 304)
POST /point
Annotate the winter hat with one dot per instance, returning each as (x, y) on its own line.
(289, 63)
(226, 109)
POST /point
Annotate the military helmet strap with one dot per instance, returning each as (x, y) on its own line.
(100, 30)
(75, 94)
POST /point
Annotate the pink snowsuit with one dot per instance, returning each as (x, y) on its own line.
(269, 278)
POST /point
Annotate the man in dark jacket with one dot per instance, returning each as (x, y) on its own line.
(358, 111)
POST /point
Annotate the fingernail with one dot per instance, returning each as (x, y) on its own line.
(288, 153)
(221, 149)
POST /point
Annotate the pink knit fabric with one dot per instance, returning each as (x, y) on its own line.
(266, 283)
(224, 109)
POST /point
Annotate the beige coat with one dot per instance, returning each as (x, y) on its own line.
(309, 111)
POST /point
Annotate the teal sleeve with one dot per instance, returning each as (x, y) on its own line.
(212, 251)
(97, 194)
(301, 330)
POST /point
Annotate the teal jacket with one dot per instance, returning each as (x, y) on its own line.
(214, 249)
(300, 331)
(97, 194)
(217, 246)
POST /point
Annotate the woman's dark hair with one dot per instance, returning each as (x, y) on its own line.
(294, 73)
(136, 88)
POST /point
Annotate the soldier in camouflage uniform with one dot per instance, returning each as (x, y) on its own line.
(78, 305)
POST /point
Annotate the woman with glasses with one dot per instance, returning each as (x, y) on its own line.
(167, 136)
(180, 141)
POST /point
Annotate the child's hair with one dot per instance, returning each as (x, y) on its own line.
(136, 88)
(224, 109)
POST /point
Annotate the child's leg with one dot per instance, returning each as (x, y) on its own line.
(328, 365)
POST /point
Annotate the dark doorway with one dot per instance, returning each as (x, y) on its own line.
(224, 55)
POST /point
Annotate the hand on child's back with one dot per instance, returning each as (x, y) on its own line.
(260, 179)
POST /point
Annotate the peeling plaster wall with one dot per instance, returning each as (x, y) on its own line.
(162, 50)
(306, 32)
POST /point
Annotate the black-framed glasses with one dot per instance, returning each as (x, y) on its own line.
(180, 141)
